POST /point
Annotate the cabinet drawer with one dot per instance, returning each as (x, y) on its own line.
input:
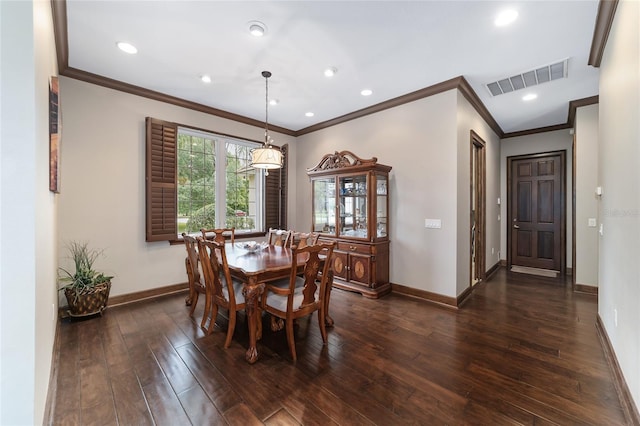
(354, 247)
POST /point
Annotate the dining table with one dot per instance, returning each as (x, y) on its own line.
(256, 268)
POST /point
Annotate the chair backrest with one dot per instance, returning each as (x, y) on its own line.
(190, 244)
(279, 237)
(216, 269)
(303, 239)
(315, 269)
(219, 234)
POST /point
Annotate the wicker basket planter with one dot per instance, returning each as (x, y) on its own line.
(88, 302)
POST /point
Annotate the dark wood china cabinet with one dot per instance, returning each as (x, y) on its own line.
(350, 198)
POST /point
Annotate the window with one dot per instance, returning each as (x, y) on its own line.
(217, 187)
(199, 179)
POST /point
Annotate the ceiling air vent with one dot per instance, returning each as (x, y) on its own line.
(529, 78)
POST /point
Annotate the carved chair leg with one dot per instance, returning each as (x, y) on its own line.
(321, 323)
(189, 300)
(194, 303)
(231, 328)
(290, 340)
(328, 321)
(214, 316)
(207, 308)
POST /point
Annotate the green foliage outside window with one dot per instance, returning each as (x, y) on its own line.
(206, 218)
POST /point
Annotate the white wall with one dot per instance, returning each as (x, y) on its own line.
(532, 144)
(102, 197)
(586, 167)
(419, 141)
(619, 172)
(28, 293)
(469, 119)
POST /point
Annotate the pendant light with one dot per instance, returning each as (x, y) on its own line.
(266, 157)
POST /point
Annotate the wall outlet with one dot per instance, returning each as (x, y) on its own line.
(492, 250)
(592, 222)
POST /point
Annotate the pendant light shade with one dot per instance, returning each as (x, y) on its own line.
(266, 157)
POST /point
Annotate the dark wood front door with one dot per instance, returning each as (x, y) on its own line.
(537, 211)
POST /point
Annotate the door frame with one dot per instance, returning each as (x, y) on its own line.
(478, 146)
(563, 204)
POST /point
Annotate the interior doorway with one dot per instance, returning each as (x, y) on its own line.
(536, 211)
(478, 213)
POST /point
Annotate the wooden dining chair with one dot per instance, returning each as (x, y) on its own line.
(219, 234)
(197, 285)
(300, 240)
(279, 237)
(226, 292)
(303, 239)
(303, 295)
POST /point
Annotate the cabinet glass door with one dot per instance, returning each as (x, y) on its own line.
(381, 206)
(324, 205)
(353, 206)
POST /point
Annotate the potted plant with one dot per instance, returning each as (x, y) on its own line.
(86, 290)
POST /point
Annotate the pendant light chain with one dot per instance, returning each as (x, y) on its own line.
(266, 157)
(266, 75)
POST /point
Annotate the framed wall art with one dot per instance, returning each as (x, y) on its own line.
(54, 135)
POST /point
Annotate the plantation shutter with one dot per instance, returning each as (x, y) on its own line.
(276, 195)
(161, 171)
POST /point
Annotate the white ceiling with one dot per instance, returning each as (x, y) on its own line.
(390, 47)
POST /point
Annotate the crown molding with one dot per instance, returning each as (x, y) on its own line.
(604, 20)
(459, 83)
(161, 97)
(468, 92)
(59, 13)
(536, 131)
(573, 106)
(391, 103)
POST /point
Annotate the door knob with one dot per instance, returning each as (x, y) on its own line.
(516, 227)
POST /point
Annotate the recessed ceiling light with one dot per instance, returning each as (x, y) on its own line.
(366, 92)
(529, 97)
(257, 28)
(330, 72)
(127, 47)
(205, 78)
(506, 17)
(274, 102)
(309, 114)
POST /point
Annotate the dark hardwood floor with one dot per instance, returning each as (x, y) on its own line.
(522, 350)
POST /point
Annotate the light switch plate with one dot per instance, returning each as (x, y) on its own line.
(433, 223)
(592, 222)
